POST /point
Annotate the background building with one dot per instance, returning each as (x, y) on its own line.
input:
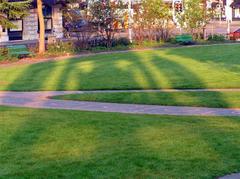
(28, 28)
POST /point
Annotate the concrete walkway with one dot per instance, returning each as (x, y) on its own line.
(42, 100)
(231, 176)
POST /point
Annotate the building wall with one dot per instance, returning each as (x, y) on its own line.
(30, 25)
(3, 35)
(57, 20)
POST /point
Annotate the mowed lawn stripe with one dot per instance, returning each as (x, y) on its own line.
(194, 67)
(71, 144)
(195, 99)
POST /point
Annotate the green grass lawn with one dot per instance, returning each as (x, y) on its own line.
(202, 99)
(71, 144)
(195, 67)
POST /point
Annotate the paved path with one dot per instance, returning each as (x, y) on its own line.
(42, 100)
(231, 176)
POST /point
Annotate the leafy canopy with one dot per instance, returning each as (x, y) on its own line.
(12, 10)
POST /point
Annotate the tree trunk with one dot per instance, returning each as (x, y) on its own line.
(41, 27)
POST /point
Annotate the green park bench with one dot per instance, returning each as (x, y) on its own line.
(184, 39)
(18, 51)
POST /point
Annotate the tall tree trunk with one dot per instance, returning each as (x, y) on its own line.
(41, 27)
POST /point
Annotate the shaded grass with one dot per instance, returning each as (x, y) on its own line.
(197, 99)
(195, 67)
(71, 144)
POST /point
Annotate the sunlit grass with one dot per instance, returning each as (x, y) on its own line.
(195, 67)
(71, 144)
(197, 99)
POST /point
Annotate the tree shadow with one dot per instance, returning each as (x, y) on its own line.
(118, 145)
(119, 71)
(207, 145)
(222, 136)
(222, 60)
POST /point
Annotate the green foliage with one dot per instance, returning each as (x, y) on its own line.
(104, 16)
(216, 38)
(194, 16)
(4, 56)
(12, 10)
(122, 41)
(61, 48)
(155, 16)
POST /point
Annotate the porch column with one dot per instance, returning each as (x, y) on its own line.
(228, 10)
(57, 18)
(3, 35)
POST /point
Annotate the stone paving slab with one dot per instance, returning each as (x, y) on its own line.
(232, 176)
(42, 100)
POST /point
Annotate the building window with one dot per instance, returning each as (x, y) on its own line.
(48, 23)
(18, 25)
(16, 33)
(47, 13)
(237, 13)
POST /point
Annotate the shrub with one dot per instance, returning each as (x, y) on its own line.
(97, 41)
(123, 41)
(5, 57)
(172, 40)
(102, 42)
(216, 38)
(61, 48)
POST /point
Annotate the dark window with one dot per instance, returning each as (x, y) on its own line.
(16, 33)
(47, 11)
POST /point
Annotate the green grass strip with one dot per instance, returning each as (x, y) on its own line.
(197, 99)
(72, 144)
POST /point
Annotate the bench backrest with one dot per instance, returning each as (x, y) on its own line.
(184, 38)
(17, 48)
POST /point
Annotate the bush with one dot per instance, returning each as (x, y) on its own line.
(5, 57)
(216, 38)
(172, 40)
(61, 48)
(102, 42)
(123, 41)
(98, 41)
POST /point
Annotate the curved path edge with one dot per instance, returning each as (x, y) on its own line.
(231, 176)
(42, 100)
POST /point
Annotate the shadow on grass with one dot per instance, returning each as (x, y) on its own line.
(110, 147)
(54, 143)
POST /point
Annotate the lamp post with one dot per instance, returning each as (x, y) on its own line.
(228, 15)
(130, 20)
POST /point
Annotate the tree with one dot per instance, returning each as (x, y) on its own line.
(12, 10)
(194, 17)
(41, 27)
(152, 20)
(105, 15)
(77, 23)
